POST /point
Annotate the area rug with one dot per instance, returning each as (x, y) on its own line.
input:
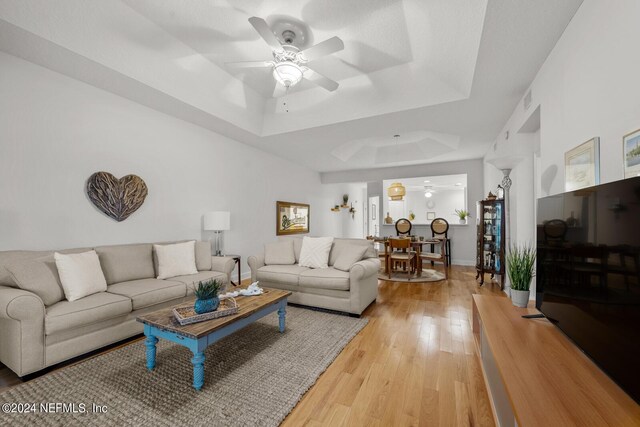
(252, 378)
(428, 275)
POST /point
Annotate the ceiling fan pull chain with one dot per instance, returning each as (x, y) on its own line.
(284, 99)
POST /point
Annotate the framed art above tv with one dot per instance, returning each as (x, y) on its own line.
(631, 150)
(582, 165)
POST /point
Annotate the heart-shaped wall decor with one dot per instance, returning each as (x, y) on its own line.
(118, 198)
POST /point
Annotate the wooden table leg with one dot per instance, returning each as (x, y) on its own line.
(198, 370)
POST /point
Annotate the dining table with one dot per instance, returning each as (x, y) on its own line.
(415, 245)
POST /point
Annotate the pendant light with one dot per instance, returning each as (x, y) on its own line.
(396, 191)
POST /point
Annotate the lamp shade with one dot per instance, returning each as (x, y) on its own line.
(217, 221)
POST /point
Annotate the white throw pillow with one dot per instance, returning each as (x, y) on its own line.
(315, 252)
(80, 274)
(174, 260)
(279, 253)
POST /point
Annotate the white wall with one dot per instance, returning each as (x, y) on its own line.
(463, 237)
(588, 87)
(56, 131)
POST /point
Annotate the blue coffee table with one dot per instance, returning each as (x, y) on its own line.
(161, 324)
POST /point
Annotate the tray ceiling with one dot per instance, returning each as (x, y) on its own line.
(444, 75)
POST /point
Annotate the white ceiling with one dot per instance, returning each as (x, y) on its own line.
(443, 74)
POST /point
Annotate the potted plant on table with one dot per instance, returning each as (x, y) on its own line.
(207, 296)
(520, 268)
(462, 214)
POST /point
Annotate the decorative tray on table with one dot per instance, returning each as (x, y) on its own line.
(185, 314)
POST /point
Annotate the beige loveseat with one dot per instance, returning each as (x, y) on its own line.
(347, 291)
(39, 327)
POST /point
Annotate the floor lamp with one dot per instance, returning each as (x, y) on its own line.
(217, 222)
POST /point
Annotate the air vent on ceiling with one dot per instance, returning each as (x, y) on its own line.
(527, 101)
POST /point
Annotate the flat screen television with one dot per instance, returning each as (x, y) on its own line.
(588, 274)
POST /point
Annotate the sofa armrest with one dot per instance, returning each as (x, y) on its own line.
(223, 264)
(21, 330)
(365, 268)
(17, 304)
(363, 284)
(255, 262)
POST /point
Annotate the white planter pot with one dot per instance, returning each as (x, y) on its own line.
(519, 298)
(463, 221)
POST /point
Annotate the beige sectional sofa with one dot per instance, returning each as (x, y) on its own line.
(347, 291)
(39, 327)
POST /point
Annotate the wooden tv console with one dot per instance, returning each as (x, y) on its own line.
(536, 376)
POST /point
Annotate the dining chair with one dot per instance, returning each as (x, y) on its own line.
(400, 253)
(440, 228)
(432, 257)
(403, 227)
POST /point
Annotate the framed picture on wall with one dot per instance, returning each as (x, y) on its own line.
(431, 216)
(631, 150)
(292, 218)
(582, 165)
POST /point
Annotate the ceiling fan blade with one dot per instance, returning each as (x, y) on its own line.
(265, 32)
(320, 80)
(249, 64)
(334, 44)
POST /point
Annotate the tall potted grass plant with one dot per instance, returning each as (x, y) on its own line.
(521, 262)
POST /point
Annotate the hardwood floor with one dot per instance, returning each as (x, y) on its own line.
(415, 362)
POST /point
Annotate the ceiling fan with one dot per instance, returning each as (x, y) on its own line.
(289, 62)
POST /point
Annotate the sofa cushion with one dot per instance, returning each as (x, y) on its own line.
(279, 253)
(39, 276)
(94, 308)
(147, 292)
(202, 253)
(176, 259)
(338, 245)
(315, 252)
(348, 255)
(280, 273)
(203, 256)
(9, 257)
(121, 263)
(297, 245)
(80, 274)
(325, 278)
(192, 280)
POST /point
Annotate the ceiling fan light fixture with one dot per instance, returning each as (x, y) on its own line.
(287, 73)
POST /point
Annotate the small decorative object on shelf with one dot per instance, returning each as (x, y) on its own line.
(500, 192)
(462, 215)
(336, 208)
(412, 216)
(388, 219)
(352, 211)
(345, 200)
(521, 261)
(490, 239)
(207, 296)
(491, 196)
